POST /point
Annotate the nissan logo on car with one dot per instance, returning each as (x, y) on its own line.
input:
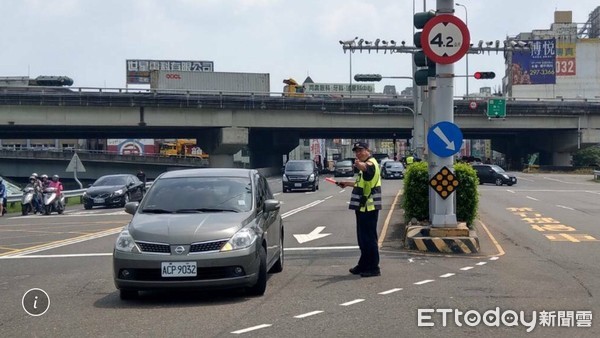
(173, 76)
(179, 250)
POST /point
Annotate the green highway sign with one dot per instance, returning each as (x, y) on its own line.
(496, 108)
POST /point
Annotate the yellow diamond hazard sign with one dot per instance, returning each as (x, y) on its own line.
(444, 182)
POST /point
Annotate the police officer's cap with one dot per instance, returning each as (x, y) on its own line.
(359, 145)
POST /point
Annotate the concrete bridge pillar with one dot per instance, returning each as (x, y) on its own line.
(267, 147)
(222, 143)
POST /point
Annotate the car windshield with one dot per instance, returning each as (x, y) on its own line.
(343, 164)
(396, 165)
(498, 169)
(199, 195)
(299, 166)
(110, 180)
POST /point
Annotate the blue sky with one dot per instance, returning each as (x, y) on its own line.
(90, 40)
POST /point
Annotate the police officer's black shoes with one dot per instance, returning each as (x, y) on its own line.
(355, 270)
(371, 273)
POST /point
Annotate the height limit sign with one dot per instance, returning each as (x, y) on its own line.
(445, 39)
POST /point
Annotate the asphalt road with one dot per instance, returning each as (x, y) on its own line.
(541, 256)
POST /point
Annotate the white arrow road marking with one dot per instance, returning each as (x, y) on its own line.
(441, 135)
(315, 234)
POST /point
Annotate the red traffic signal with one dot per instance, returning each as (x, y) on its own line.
(484, 75)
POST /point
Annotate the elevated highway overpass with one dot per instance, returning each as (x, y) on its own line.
(271, 125)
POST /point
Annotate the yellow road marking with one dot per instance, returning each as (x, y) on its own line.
(498, 247)
(570, 238)
(387, 219)
(65, 241)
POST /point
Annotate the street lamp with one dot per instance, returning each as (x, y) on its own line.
(466, 56)
(350, 43)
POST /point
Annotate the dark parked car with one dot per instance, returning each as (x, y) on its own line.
(201, 228)
(113, 190)
(300, 174)
(392, 169)
(344, 168)
(491, 173)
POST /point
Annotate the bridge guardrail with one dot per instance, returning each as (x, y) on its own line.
(16, 198)
(596, 175)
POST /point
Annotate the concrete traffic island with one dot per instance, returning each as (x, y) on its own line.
(425, 238)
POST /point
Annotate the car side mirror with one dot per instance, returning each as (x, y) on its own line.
(272, 205)
(131, 207)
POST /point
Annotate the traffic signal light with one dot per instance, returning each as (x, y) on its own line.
(367, 77)
(484, 75)
(426, 66)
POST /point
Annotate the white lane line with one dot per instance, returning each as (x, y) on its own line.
(564, 207)
(495, 258)
(328, 197)
(531, 198)
(257, 327)
(60, 256)
(450, 274)
(466, 268)
(481, 263)
(297, 210)
(352, 302)
(390, 291)
(341, 191)
(424, 282)
(411, 260)
(510, 191)
(308, 314)
(322, 248)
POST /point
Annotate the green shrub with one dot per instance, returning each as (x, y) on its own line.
(467, 196)
(415, 200)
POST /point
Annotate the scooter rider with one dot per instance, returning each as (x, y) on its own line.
(55, 183)
(44, 181)
(35, 185)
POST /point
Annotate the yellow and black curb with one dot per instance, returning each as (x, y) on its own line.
(417, 238)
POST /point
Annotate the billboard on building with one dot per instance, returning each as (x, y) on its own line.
(565, 59)
(138, 70)
(339, 88)
(537, 66)
(131, 146)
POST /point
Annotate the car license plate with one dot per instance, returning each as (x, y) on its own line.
(98, 200)
(178, 269)
(297, 185)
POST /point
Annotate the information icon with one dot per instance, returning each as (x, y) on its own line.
(35, 302)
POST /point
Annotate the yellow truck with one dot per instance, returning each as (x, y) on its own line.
(182, 148)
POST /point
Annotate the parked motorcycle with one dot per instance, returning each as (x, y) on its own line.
(52, 202)
(27, 205)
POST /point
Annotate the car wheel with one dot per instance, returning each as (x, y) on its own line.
(284, 190)
(48, 209)
(126, 294)
(499, 181)
(87, 206)
(278, 266)
(314, 187)
(261, 284)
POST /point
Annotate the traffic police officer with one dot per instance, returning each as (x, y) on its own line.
(366, 202)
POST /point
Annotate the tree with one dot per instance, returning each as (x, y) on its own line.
(587, 157)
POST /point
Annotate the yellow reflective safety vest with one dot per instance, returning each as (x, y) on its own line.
(366, 195)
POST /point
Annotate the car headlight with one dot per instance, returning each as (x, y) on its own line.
(84, 194)
(284, 178)
(505, 176)
(311, 178)
(118, 192)
(125, 242)
(241, 240)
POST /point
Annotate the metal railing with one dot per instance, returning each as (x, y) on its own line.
(596, 175)
(16, 198)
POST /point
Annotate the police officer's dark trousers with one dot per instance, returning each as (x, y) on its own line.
(366, 231)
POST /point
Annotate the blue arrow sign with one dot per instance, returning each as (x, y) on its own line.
(444, 139)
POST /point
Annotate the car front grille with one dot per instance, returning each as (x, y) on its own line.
(99, 195)
(203, 274)
(207, 246)
(297, 178)
(154, 247)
